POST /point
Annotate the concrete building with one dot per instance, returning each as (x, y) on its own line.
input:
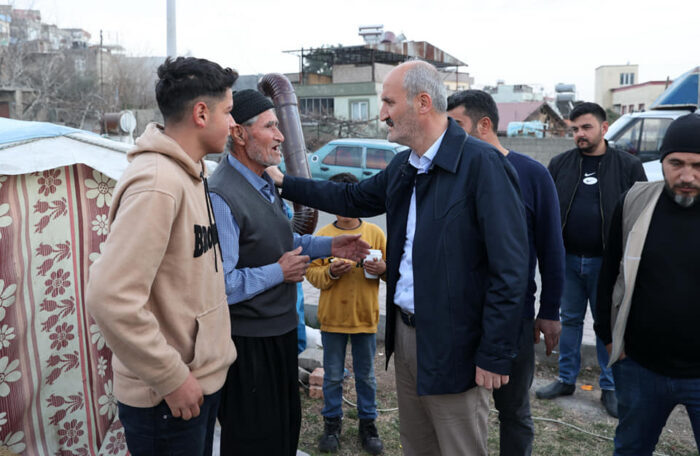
(514, 93)
(636, 97)
(12, 101)
(345, 82)
(609, 77)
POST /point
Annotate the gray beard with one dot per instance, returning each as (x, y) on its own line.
(681, 200)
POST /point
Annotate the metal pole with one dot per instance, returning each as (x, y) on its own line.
(172, 32)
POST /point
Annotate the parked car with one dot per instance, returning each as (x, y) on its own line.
(361, 157)
(641, 134)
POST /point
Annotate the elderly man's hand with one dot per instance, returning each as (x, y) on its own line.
(490, 380)
(349, 246)
(293, 265)
(551, 330)
(275, 174)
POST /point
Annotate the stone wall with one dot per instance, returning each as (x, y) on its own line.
(541, 150)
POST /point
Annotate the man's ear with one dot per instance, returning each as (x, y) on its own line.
(484, 126)
(424, 102)
(238, 134)
(605, 126)
(200, 114)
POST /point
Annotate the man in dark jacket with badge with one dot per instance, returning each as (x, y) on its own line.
(457, 262)
(589, 181)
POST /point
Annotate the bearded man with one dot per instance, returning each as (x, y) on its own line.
(589, 181)
(648, 295)
(263, 260)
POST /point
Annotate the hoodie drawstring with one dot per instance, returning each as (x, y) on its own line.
(212, 222)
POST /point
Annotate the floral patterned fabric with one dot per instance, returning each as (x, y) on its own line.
(55, 369)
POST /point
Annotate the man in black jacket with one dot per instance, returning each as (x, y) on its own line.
(589, 180)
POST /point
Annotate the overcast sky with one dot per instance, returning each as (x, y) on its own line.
(539, 42)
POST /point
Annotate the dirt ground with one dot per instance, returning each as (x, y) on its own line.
(582, 410)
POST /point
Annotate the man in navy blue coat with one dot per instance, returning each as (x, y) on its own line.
(457, 262)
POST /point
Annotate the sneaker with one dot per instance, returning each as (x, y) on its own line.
(555, 389)
(330, 440)
(609, 400)
(369, 437)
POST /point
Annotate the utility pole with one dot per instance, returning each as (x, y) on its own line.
(172, 32)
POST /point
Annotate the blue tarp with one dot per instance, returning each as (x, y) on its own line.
(684, 92)
(12, 130)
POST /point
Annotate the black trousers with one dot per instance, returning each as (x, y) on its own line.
(517, 430)
(260, 411)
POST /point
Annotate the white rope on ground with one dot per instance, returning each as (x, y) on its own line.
(306, 387)
(573, 426)
(535, 418)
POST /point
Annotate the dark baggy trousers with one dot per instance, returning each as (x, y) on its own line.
(260, 411)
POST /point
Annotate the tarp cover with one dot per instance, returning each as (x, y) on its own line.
(27, 147)
(684, 92)
(56, 388)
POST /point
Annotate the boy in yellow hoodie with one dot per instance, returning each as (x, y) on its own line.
(349, 308)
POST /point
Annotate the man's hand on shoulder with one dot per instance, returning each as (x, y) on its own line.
(349, 246)
(293, 265)
(184, 402)
(551, 330)
(490, 380)
(275, 174)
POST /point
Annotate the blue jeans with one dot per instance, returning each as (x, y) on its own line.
(154, 430)
(580, 288)
(645, 400)
(363, 348)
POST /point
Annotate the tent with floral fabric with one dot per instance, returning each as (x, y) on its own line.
(56, 187)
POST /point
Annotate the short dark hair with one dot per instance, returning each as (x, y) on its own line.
(346, 178)
(477, 105)
(184, 79)
(588, 108)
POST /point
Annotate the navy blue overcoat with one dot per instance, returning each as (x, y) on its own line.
(470, 254)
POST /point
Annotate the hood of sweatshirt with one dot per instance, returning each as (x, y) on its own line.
(154, 139)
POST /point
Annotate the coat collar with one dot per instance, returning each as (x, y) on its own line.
(449, 153)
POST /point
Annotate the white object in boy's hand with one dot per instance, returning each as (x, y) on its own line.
(373, 254)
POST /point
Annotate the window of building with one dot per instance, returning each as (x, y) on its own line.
(624, 109)
(378, 158)
(617, 108)
(641, 107)
(631, 108)
(316, 106)
(80, 65)
(344, 156)
(626, 79)
(359, 110)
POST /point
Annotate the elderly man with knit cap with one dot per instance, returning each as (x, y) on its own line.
(263, 260)
(648, 295)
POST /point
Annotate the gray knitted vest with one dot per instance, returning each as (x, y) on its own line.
(265, 234)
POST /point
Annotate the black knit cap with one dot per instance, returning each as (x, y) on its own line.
(248, 104)
(683, 135)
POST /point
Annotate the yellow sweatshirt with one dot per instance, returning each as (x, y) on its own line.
(349, 304)
(157, 291)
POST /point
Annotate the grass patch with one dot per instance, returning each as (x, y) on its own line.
(582, 410)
